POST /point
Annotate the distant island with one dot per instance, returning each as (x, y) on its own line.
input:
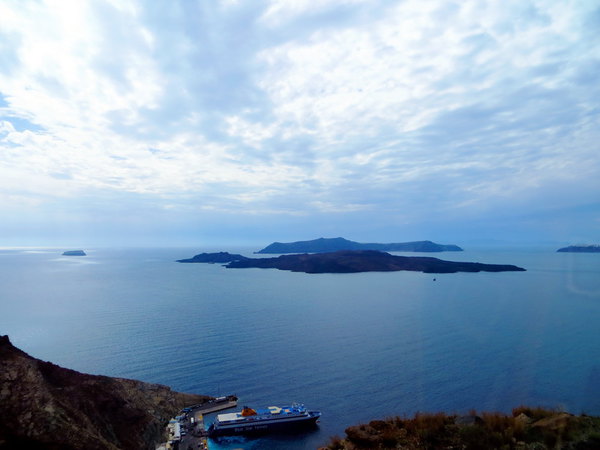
(580, 249)
(525, 428)
(323, 245)
(353, 261)
(44, 406)
(74, 253)
(220, 257)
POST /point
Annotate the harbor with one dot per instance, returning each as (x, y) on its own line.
(187, 431)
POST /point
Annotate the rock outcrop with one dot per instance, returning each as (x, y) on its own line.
(44, 406)
(323, 245)
(365, 261)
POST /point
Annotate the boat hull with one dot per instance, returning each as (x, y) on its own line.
(267, 426)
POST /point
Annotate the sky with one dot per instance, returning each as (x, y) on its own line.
(238, 122)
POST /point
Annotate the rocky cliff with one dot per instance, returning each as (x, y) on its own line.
(44, 406)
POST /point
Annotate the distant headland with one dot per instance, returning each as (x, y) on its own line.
(74, 253)
(323, 245)
(220, 257)
(580, 249)
(353, 261)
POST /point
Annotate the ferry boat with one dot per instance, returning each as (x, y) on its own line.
(272, 418)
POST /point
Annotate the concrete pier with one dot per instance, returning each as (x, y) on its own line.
(187, 430)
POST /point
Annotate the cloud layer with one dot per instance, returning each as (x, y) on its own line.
(350, 116)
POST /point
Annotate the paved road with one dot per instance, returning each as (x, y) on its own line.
(192, 429)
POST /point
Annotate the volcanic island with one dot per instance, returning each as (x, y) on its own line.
(352, 261)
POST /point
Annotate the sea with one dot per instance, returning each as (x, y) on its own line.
(356, 347)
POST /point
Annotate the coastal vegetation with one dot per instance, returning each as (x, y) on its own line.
(526, 428)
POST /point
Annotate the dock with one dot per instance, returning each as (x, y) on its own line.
(214, 405)
(187, 429)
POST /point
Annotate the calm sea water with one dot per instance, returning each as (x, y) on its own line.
(355, 346)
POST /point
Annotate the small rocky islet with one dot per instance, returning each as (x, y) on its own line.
(74, 253)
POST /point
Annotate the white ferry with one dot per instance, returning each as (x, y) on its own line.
(272, 418)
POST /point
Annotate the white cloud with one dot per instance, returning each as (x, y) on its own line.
(281, 11)
(340, 106)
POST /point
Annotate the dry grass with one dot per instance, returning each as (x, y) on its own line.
(526, 428)
(534, 413)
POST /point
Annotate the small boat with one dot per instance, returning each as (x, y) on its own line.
(272, 418)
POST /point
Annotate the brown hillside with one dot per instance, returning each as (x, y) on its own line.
(44, 406)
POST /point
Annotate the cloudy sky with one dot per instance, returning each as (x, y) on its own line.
(230, 121)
